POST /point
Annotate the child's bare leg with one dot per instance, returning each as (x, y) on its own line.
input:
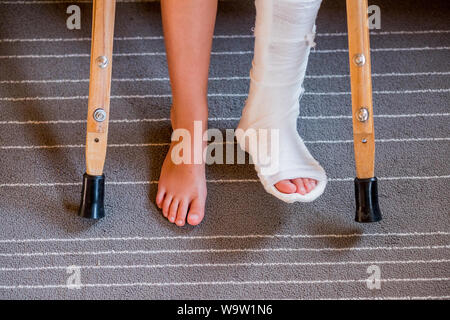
(188, 31)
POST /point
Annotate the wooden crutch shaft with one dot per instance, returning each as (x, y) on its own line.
(366, 185)
(361, 86)
(93, 189)
(99, 84)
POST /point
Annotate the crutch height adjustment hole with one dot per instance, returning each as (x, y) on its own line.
(96, 140)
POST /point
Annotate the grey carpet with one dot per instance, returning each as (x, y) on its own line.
(250, 245)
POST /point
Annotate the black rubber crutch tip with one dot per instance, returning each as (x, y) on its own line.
(366, 194)
(92, 197)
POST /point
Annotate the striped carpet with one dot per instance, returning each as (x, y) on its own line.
(250, 246)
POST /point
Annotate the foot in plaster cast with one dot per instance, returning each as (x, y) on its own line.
(284, 35)
(182, 187)
(295, 163)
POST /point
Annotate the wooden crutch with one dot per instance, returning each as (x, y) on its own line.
(366, 191)
(92, 200)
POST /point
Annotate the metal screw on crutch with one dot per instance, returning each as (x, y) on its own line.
(363, 114)
(359, 59)
(99, 115)
(102, 62)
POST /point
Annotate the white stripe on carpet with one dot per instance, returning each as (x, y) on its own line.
(247, 236)
(217, 283)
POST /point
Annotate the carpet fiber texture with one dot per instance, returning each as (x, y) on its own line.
(250, 244)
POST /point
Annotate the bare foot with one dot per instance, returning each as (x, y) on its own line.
(300, 185)
(182, 187)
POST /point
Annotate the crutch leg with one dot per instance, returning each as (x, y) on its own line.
(92, 201)
(366, 193)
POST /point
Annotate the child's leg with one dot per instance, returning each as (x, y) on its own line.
(188, 31)
(284, 34)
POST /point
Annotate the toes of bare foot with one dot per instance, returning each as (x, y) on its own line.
(182, 213)
(310, 184)
(159, 198)
(173, 210)
(307, 182)
(300, 185)
(166, 205)
(286, 186)
(196, 212)
(305, 185)
(301, 188)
